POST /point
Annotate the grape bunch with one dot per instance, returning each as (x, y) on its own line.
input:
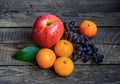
(82, 48)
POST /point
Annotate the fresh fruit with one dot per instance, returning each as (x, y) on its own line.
(63, 48)
(26, 54)
(82, 48)
(45, 58)
(47, 30)
(63, 66)
(88, 28)
(50, 25)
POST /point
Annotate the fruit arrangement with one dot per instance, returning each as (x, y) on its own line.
(82, 48)
(60, 45)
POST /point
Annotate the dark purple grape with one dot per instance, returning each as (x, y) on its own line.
(77, 41)
(98, 57)
(74, 59)
(72, 26)
(84, 49)
(88, 49)
(89, 53)
(71, 23)
(101, 56)
(81, 36)
(96, 60)
(73, 29)
(85, 44)
(82, 41)
(86, 38)
(97, 54)
(100, 60)
(75, 36)
(74, 45)
(79, 53)
(79, 56)
(80, 48)
(86, 58)
(95, 50)
(91, 46)
(94, 54)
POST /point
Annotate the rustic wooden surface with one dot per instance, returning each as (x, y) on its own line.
(16, 21)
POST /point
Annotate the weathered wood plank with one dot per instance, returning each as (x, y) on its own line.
(16, 21)
(109, 35)
(111, 53)
(15, 35)
(62, 5)
(81, 75)
(27, 19)
(104, 13)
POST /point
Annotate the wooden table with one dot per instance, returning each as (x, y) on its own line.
(16, 21)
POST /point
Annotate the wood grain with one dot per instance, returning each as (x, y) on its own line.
(111, 53)
(62, 5)
(110, 35)
(81, 75)
(26, 20)
(103, 13)
(17, 18)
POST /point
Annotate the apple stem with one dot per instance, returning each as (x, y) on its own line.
(48, 23)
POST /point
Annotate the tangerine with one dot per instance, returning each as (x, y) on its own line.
(88, 28)
(63, 48)
(63, 66)
(45, 58)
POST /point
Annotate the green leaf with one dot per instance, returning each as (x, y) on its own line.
(27, 54)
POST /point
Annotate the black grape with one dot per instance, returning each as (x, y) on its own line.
(86, 58)
(82, 47)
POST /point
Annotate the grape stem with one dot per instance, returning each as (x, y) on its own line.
(68, 28)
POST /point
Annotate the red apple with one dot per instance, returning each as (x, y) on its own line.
(47, 30)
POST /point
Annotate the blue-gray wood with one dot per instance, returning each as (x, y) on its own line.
(16, 21)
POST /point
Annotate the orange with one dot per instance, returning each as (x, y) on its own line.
(63, 66)
(63, 48)
(45, 58)
(88, 28)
